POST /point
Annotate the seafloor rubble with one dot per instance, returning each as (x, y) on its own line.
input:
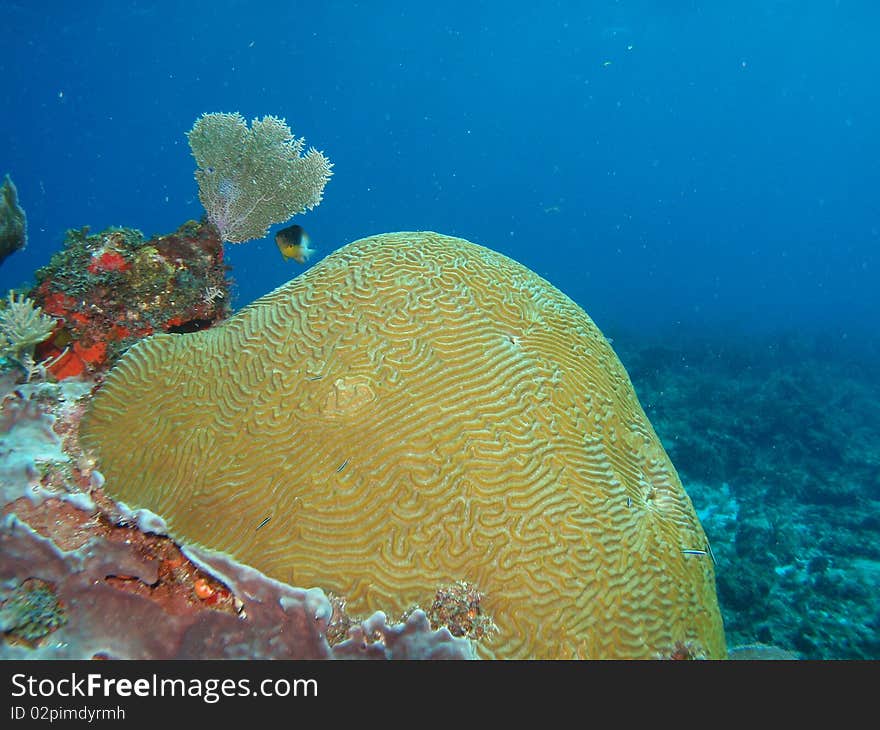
(777, 441)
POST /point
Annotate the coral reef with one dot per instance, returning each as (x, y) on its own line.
(81, 577)
(110, 289)
(22, 328)
(252, 178)
(778, 443)
(414, 411)
(13, 223)
(33, 438)
(459, 607)
(32, 611)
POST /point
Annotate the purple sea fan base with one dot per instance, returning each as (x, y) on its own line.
(222, 207)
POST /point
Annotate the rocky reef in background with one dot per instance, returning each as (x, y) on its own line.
(777, 441)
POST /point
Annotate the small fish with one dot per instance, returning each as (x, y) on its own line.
(708, 551)
(293, 242)
(264, 523)
(343, 465)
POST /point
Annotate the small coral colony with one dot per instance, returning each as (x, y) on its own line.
(103, 292)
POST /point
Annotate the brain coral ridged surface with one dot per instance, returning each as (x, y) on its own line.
(415, 410)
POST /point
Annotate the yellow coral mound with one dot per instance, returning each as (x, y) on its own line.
(412, 411)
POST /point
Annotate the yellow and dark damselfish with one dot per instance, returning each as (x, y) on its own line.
(293, 243)
(416, 410)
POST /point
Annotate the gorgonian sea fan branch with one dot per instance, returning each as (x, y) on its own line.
(219, 202)
(252, 178)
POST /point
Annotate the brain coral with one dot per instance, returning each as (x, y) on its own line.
(415, 410)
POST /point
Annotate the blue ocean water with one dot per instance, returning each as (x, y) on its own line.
(699, 162)
(708, 168)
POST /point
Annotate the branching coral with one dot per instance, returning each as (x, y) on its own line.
(22, 327)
